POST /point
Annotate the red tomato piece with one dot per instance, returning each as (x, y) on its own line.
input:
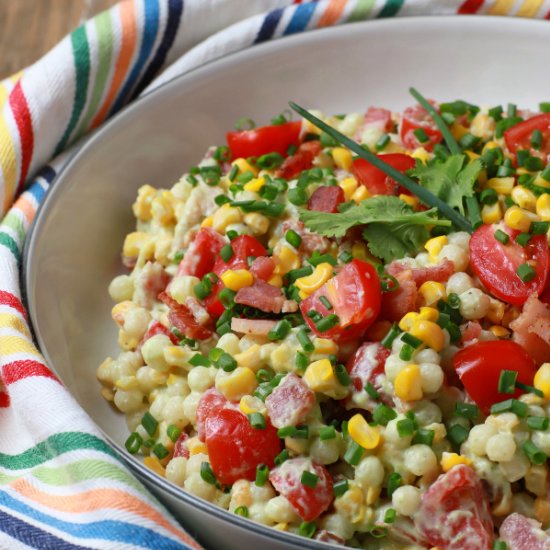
(398, 303)
(355, 297)
(326, 199)
(454, 512)
(309, 502)
(180, 446)
(416, 117)
(479, 366)
(202, 253)
(235, 448)
(496, 264)
(519, 136)
(266, 139)
(182, 318)
(299, 161)
(210, 403)
(375, 180)
(157, 328)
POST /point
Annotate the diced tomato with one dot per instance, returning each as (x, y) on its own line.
(262, 268)
(202, 253)
(180, 446)
(235, 448)
(521, 533)
(399, 302)
(157, 328)
(180, 316)
(211, 402)
(309, 502)
(301, 160)
(326, 199)
(416, 117)
(496, 264)
(375, 180)
(518, 137)
(454, 512)
(266, 139)
(355, 297)
(479, 366)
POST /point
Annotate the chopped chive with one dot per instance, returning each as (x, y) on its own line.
(297, 196)
(526, 273)
(302, 361)
(233, 172)
(371, 390)
(545, 174)
(293, 431)
(507, 381)
(245, 123)
(149, 443)
(226, 253)
(533, 164)
(223, 328)
(340, 487)
(423, 436)
(327, 432)
(488, 196)
(160, 451)
(529, 389)
(293, 238)
(227, 363)
(342, 375)
(405, 427)
(537, 422)
(307, 529)
(325, 302)
(281, 457)
(413, 341)
(383, 414)
(382, 142)
(133, 443)
(474, 213)
(270, 161)
(280, 330)
(178, 256)
(394, 481)
(467, 410)
(406, 353)
(536, 140)
(202, 290)
(207, 474)
(513, 405)
(263, 375)
(309, 479)
(315, 259)
(305, 342)
(495, 113)
(544, 107)
(354, 453)
(499, 545)
(345, 257)
(150, 423)
(241, 511)
(457, 434)
(505, 171)
(262, 473)
(327, 323)
(501, 236)
(227, 297)
(257, 420)
(421, 135)
(392, 334)
(511, 110)
(390, 515)
(294, 274)
(534, 454)
(468, 141)
(539, 228)
(344, 428)
(173, 432)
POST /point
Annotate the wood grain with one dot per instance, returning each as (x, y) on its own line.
(29, 28)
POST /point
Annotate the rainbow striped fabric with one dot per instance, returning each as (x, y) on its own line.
(67, 489)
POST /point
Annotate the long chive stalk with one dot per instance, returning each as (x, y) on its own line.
(423, 194)
(453, 146)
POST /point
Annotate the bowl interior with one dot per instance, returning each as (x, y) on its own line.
(74, 250)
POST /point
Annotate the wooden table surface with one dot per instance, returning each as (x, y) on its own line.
(29, 28)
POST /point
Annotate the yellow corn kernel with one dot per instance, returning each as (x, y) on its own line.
(255, 184)
(520, 219)
(542, 380)
(319, 375)
(282, 526)
(503, 186)
(491, 213)
(196, 446)
(244, 166)
(428, 313)
(207, 222)
(373, 494)
(286, 260)
(257, 222)
(524, 198)
(490, 145)
(237, 279)
(348, 186)
(310, 283)
(408, 383)
(276, 280)
(434, 246)
(408, 320)
(421, 154)
(142, 206)
(499, 332)
(543, 207)
(496, 311)
(127, 383)
(448, 460)
(541, 182)
(241, 381)
(413, 202)
(224, 216)
(471, 155)
(432, 292)
(458, 130)
(127, 342)
(133, 243)
(178, 356)
(360, 194)
(363, 434)
(162, 207)
(342, 158)
(250, 404)
(361, 252)
(153, 463)
(430, 333)
(325, 345)
(120, 310)
(250, 358)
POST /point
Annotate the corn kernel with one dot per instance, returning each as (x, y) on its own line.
(207, 222)
(471, 155)
(543, 207)
(244, 166)
(325, 346)
(310, 283)
(361, 252)
(428, 313)
(449, 460)
(430, 333)
(233, 385)
(162, 207)
(496, 311)
(142, 206)
(281, 526)
(250, 358)
(373, 494)
(133, 243)
(360, 194)
(520, 219)
(319, 376)
(348, 186)
(540, 181)
(127, 383)
(413, 202)
(250, 404)
(503, 186)
(276, 280)
(408, 320)
(458, 130)
(237, 279)
(257, 222)
(408, 383)
(491, 213)
(153, 463)
(524, 198)
(421, 154)
(224, 216)
(286, 260)
(499, 332)
(196, 446)
(432, 292)
(342, 158)
(490, 145)
(434, 246)
(363, 434)
(255, 184)
(120, 310)
(542, 380)
(178, 356)
(310, 128)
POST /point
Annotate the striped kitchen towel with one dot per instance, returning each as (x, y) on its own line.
(67, 489)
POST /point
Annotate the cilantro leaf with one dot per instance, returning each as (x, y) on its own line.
(395, 240)
(450, 180)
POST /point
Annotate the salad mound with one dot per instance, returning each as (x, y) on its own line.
(350, 340)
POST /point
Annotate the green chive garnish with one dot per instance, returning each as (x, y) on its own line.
(342, 375)
(394, 481)
(534, 454)
(501, 236)
(423, 436)
(393, 333)
(529, 389)
(371, 390)
(526, 273)
(327, 323)
(325, 302)
(307, 529)
(257, 421)
(173, 432)
(507, 381)
(537, 422)
(383, 414)
(133, 443)
(150, 423)
(354, 453)
(305, 342)
(281, 457)
(467, 410)
(340, 487)
(227, 363)
(280, 330)
(207, 474)
(309, 479)
(390, 515)
(405, 427)
(160, 451)
(241, 511)
(327, 432)
(457, 434)
(262, 473)
(293, 238)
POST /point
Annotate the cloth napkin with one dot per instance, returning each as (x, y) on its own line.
(61, 485)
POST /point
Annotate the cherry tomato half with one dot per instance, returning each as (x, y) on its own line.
(414, 118)
(479, 366)
(355, 297)
(266, 139)
(202, 253)
(519, 136)
(375, 180)
(496, 264)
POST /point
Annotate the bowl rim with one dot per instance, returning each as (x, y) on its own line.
(63, 178)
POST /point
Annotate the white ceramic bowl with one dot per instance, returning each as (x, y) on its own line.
(74, 250)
